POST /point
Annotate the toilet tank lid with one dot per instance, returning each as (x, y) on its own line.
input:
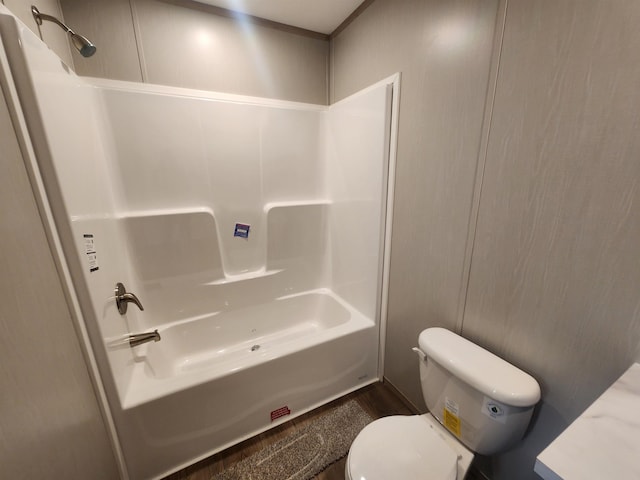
(480, 368)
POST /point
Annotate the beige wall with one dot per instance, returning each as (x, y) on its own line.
(186, 44)
(555, 264)
(555, 276)
(50, 422)
(52, 34)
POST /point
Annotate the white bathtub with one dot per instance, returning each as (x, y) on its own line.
(224, 342)
(209, 347)
(289, 355)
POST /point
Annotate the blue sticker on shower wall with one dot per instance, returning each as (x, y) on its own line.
(241, 230)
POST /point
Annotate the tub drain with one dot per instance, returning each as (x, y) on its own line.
(255, 347)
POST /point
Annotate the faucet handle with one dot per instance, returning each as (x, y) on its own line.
(123, 298)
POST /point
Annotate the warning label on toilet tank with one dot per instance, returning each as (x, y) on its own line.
(494, 409)
(450, 416)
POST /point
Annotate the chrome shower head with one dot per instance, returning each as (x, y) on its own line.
(82, 44)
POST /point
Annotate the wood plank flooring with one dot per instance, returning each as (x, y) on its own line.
(379, 400)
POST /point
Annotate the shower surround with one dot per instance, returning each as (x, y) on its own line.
(252, 231)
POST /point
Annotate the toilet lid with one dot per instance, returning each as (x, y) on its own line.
(401, 447)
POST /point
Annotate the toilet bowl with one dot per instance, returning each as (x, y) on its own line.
(399, 447)
(478, 403)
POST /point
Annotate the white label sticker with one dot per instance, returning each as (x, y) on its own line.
(494, 409)
(451, 406)
(90, 252)
(89, 244)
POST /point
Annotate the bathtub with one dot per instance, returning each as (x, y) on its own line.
(225, 342)
(269, 362)
(209, 347)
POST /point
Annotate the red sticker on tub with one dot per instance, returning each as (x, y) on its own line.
(280, 412)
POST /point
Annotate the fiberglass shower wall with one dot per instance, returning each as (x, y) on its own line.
(193, 168)
(195, 173)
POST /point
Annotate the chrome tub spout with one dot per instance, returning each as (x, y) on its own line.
(140, 338)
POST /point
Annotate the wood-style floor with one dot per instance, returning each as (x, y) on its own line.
(379, 400)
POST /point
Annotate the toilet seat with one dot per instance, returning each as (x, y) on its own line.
(401, 447)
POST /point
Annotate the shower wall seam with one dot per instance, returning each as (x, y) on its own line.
(137, 35)
(492, 85)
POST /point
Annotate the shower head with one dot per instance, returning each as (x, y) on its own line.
(82, 44)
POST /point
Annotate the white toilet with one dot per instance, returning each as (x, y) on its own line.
(477, 402)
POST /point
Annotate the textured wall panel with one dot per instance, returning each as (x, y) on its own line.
(109, 25)
(186, 44)
(556, 263)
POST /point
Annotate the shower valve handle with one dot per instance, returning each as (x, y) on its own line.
(123, 298)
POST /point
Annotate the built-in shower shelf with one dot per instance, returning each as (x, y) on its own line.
(183, 242)
(299, 203)
(173, 243)
(297, 234)
(164, 211)
(245, 276)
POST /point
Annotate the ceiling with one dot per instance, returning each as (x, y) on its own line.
(322, 16)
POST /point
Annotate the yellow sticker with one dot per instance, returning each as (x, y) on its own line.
(452, 422)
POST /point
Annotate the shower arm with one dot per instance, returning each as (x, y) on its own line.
(39, 17)
(80, 43)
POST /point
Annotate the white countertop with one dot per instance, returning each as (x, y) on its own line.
(603, 442)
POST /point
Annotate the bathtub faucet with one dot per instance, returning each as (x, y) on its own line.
(140, 338)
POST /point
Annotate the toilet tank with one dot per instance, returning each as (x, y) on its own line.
(480, 398)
